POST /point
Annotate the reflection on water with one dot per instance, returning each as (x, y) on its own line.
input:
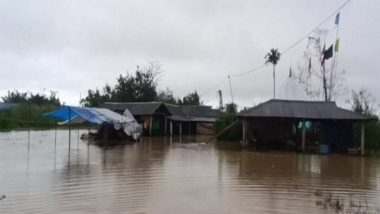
(172, 175)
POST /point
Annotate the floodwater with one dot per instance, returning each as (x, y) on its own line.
(163, 175)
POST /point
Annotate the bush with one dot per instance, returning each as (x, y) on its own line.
(227, 117)
(26, 115)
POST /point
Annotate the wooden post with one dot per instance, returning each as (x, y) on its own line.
(171, 128)
(303, 136)
(29, 121)
(28, 137)
(55, 137)
(69, 132)
(166, 125)
(244, 125)
(180, 128)
(78, 138)
(150, 125)
(362, 139)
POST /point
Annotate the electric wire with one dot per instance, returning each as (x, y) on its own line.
(286, 50)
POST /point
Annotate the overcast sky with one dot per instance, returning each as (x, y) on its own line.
(72, 46)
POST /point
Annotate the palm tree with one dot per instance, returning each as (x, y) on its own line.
(273, 57)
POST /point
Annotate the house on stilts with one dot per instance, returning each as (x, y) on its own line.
(302, 126)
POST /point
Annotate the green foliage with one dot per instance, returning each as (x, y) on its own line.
(363, 102)
(138, 87)
(26, 115)
(273, 56)
(167, 97)
(191, 99)
(228, 116)
(231, 108)
(24, 97)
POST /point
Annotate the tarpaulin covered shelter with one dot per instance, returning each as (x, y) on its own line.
(100, 116)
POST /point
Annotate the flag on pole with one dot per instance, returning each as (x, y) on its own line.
(323, 49)
(327, 54)
(337, 19)
(337, 45)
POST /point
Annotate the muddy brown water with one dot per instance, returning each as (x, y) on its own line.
(178, 175)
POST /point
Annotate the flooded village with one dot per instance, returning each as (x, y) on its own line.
(227, 118)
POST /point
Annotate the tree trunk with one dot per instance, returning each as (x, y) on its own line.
(274, 82)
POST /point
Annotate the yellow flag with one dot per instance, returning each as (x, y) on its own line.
(337, 45)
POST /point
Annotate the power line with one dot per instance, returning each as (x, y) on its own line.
(213, 88)
(286, 50)
(316, 28)
(298, 41)
(247, 72)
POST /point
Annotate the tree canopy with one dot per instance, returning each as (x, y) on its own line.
(141, 86)
(362, 102)
(191, 99)
(273, 57)
(28, 97)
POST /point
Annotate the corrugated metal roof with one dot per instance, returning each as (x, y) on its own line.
(192, 119)
(149, 108)
(136, 108)
(192, 110)
(302, 110)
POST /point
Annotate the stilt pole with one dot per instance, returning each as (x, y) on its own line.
(69, 109)
(244, 124)
(303, 136)
(171, 128)
(150, 126)
(362, 139)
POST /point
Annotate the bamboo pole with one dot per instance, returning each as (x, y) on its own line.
(69, 109)
(55, 137)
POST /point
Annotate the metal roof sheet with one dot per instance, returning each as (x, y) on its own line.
(302, 110)
(136, 108)
(149, 108)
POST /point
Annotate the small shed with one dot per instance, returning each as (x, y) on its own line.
(151, 114)
(301, 125)
(191, 119)
(161, 118)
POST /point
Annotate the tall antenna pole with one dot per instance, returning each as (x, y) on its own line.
(232, 96)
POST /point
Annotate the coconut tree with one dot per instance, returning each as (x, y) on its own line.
(273, 57)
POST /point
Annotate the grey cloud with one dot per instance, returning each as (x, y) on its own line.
(71, 46)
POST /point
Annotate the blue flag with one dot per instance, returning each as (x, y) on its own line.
(337, 19)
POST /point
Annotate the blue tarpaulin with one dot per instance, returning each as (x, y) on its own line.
(127, 122)
(92, 115)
